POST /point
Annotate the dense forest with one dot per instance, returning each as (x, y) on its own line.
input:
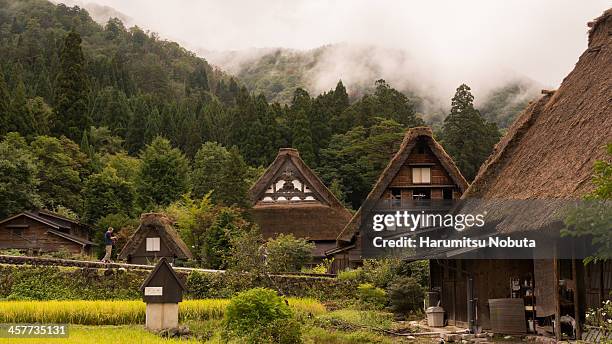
(104, 122)
(277, 72)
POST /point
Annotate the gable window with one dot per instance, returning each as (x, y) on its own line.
(153, 244)
(421, 175)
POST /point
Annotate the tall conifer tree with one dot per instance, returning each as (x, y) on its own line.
(70, 102)
(465, 134)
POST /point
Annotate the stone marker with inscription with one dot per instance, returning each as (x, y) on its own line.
(162, 291)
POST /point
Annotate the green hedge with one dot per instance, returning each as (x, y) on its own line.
(22, 282)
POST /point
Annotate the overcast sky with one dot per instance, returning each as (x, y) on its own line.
(540, 39)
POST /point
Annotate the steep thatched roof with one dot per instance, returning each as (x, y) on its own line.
(163, 226)
(549, 151)
(321, 219)
(410, 141)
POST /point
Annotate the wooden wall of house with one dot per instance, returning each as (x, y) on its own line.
(597, 283)
(26, 234)
(439, 176)
(142, 256)
(491, 281)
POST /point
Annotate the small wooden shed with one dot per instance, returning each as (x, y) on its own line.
(162, 290)
(155, 238)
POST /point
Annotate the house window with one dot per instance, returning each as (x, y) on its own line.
(396, 197)
(153, 244)
(421, 194)
(447, 193)
(421, 175)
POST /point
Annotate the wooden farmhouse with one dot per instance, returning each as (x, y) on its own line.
(420, 172)
(289, 198)
(43, 231)
(548, 154)
(155, 238)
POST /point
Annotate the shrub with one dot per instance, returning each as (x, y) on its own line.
(371, 296)
(381, 272)
(601, 317)
(321, 268)
(355, 275)
(286, 253)
(260, 316)
(406, 295)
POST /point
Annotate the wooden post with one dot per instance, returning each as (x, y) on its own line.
(576, 297)
(557, 328)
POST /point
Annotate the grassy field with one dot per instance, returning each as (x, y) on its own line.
(122, 312)
(102, 335)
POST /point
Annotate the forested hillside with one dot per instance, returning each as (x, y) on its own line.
(277, 72)
(104, 122)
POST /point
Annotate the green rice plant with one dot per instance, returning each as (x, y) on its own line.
(123, 312)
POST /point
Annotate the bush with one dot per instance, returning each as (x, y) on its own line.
(286, 253)
(321, 268)
(260, 316)
(406, 295)
(371, 296)
(381, 272)
(354, 275)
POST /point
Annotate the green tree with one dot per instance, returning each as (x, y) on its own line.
(286, 253)
(70, 102)
(5, 105)
(18, 176)
(593, 218)
(216, 241)
(163, 175)
(41, 115)
(355, 159)
(465, 134)
(127, 167)
(62, 167)
(106, 193)
(21, 119)
(302, 137)
(221, 171)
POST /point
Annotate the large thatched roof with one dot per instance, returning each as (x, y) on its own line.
(162, 225)
(320, 219)
(549, 151)
(410, 141)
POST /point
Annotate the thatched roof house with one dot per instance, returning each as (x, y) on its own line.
(419, 150)
(155, 238)
(548, 154)
(290, 198)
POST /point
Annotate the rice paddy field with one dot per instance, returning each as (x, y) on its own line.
(119, 322)
(123, 312)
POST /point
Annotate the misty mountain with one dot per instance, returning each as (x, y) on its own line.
(277, 72)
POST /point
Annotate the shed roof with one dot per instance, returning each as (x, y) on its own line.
(163, 225)
(162, 264)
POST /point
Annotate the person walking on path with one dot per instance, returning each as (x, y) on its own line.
(109, 241)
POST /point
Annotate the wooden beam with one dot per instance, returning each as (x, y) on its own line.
(576, 297)
(555, 290)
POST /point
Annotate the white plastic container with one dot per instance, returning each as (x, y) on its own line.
(435, 316)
